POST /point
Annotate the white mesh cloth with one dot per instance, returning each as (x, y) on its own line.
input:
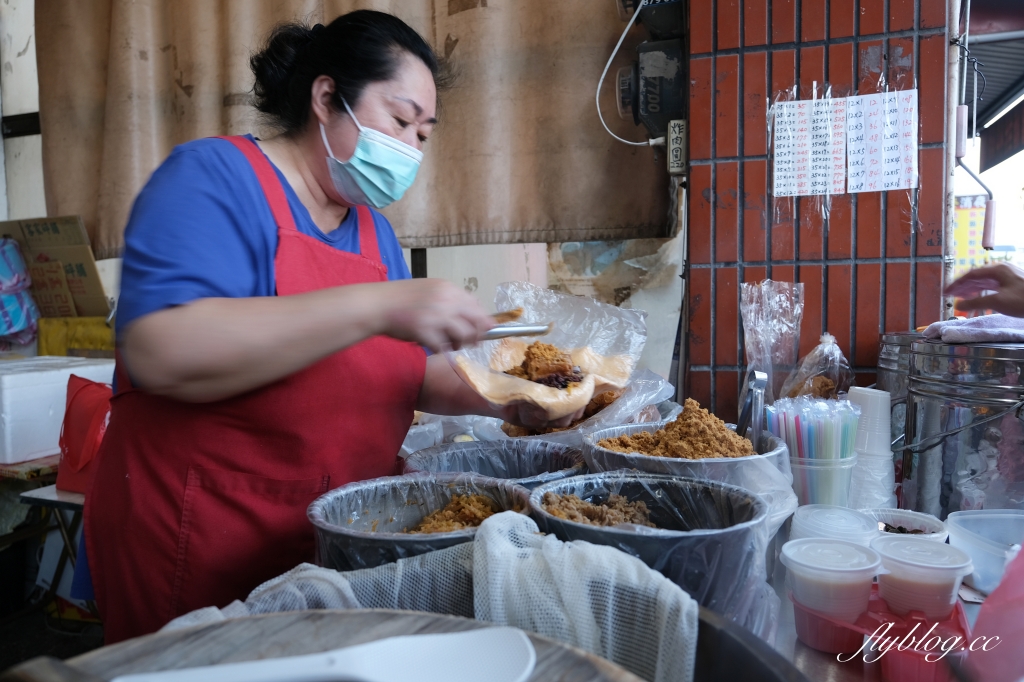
(593, 597)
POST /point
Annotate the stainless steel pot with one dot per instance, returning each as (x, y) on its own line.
(965, 434)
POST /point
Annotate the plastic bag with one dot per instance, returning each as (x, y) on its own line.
(771, 312)
(18, 312)
(361, 524)
(528, 463)
(711, 538)
(467, 427)
(605, 342)
(823, 373)
(637, 405)
(767, 475)
(422, 436)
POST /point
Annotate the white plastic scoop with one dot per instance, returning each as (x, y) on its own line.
(497, 654)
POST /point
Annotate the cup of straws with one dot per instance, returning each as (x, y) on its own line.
(820, 435)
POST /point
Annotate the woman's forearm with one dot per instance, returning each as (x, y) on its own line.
(216, 348)
(444, 392)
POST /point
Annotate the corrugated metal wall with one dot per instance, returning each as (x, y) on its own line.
(876, 264)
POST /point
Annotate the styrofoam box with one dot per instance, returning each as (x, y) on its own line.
(33, 393)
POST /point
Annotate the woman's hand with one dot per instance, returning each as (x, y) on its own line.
(1004, 279)
(431, 312)
(444, 392)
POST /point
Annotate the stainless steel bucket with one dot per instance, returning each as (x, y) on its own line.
(965, 433)
(894, 376)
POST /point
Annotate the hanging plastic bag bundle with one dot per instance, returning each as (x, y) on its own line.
(771, 312)
(823, 373)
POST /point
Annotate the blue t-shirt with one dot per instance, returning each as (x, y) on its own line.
(201, 228)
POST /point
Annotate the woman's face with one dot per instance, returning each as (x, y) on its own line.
(403, 108)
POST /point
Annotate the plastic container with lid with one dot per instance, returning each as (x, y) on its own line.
(992, 538)
(833, 577)
(837, 523)
(932, 528)
(922, 575)
(908, 663)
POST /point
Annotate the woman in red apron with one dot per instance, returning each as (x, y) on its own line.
(237, 406)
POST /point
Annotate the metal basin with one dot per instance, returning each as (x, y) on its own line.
(767, 474)
(711, 537)
(524, 462)
(360, 525)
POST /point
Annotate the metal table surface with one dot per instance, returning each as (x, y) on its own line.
(49, 496)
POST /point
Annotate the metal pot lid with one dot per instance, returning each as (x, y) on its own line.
(1010, 352)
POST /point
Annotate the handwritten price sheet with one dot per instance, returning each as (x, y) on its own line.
(881, 141)
(810, 148)
(791, 130)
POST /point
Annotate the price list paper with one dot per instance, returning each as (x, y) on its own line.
(788, 126)
(882, 141)
(810, 148)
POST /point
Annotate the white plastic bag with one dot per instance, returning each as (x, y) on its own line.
(605, 341)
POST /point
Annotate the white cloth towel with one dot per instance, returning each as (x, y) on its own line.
(984, 329)
(589, 596)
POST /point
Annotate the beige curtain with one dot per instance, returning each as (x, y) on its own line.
(519, 157)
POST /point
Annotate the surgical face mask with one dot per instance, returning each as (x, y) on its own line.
(380, 170)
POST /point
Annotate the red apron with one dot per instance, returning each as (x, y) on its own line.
(195, 505)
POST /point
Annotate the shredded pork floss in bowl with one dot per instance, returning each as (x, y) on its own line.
(695, 434)
(593, 348)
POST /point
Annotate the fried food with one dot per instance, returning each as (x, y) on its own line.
(548, 365)
(617, 510)
(695, 434)
(464, 511)
(597, 403)
(816, 387)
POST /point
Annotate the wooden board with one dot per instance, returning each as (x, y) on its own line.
(304, 632)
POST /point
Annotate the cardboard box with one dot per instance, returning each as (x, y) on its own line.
(62, 240)
(50, 290)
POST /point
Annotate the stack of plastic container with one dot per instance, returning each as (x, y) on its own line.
(820, 435)
(836, 604)
(873, 484)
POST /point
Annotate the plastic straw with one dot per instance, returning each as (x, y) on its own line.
(814, 428)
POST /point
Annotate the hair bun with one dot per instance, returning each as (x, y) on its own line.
(275, 66)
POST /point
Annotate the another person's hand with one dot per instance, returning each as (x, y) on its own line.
(532, 417)
(1005, 280)
(431, 312)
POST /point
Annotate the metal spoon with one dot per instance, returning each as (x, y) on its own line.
(505, 330)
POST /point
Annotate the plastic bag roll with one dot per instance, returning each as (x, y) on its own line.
(767, 475)
(710, 540)
(528, 463)
(359, 525)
